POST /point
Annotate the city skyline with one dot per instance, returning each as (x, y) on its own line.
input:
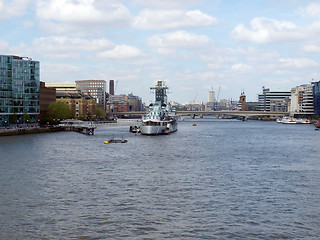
(193, 45)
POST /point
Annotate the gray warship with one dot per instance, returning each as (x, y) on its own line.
(161, 116)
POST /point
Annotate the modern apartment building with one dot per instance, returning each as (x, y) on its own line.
(94, 88)
(19, 89)
(302, 100)
(267, 95)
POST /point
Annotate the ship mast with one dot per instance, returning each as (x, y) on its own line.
(160, 92)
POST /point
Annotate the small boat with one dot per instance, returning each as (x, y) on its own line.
(288, 120)
(116, 141)
(194, 124)
(291, 120)
(134, 129)
(303, 121)
(317, 124)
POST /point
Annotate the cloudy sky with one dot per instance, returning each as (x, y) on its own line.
(195, 45)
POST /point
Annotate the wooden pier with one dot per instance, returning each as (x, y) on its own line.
(78, 126)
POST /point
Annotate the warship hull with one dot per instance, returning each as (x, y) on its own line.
(158, 130)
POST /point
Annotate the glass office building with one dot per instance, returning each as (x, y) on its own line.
(316, 98)
(19, 90)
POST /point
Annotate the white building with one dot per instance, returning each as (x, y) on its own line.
(211, 101)
(268, 95)
(302, 100)
(211, 96)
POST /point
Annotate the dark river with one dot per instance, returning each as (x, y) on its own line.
(221, 179)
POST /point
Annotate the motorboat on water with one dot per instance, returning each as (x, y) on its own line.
(303, 121)
(116, 141)
(161, 116)
(289, 120)
(292, 120)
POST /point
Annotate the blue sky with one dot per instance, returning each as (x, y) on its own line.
(194, 45)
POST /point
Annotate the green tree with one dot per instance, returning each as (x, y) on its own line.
(26, 118)
(13, 118)
(100, 113)
(58, 111)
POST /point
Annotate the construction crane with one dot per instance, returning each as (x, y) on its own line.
(195, 98)
(215, 108)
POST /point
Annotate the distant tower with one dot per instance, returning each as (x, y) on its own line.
(111, 87)
(243, 102)
(211, 96)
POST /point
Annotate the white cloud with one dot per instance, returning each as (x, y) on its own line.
(3, 46)
(60, 47)
(312, 10)
(312, 48)
(239, 67)
(179, 39)
(12, 8)
(59, 72)
(298, 62)
(28, 24)
(172, 19)
(121, 52)
(266, 30)
(76, 15)
(20, 49)
(169, 4)
(67, 44)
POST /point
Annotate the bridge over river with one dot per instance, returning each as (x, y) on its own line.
(244, 114)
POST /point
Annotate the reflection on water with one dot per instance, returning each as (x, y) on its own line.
(221, 179)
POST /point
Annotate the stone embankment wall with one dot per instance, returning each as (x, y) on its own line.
(22, 131)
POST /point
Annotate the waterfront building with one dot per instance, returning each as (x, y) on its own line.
(280, 105)
(224, 104)
(195, 107)
(267, 95)
(94, 88)
(135, 102)
(19, 89)
(302, 100)
(81, 105)
(46, 96)
(316, 98)
(63, 87)
(252, 106)
(118, 103)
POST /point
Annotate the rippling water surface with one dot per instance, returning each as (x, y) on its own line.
(221, 179)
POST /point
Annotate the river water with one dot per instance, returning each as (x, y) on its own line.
(221, 179)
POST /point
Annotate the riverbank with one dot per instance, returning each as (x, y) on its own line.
(28, 130)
